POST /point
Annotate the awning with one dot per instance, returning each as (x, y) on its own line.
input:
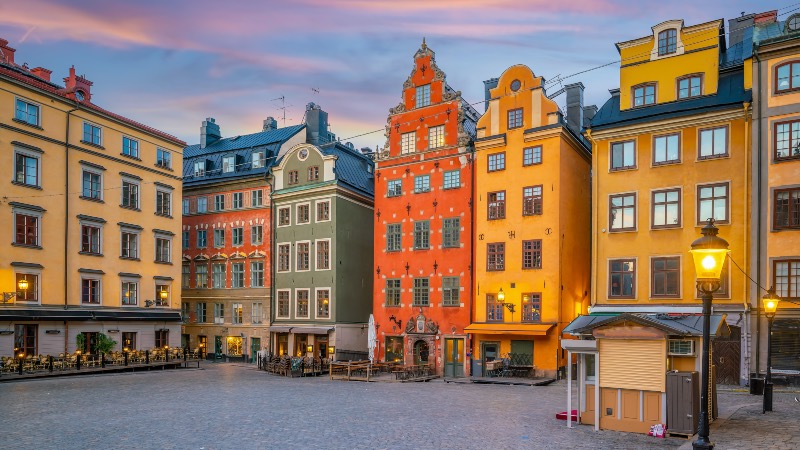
(311, 330)
(274, 329)
(517, 329)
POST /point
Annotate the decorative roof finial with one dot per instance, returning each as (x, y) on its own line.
(424, 46)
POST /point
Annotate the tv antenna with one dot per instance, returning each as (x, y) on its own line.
(283, 106)
(315, 90)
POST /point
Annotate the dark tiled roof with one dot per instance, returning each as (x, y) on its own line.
(730, 92)
(737, 53)
(767, 31)
(352, 168)
(245, 141)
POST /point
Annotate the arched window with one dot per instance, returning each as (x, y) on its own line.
(667, 41)
(787, 76)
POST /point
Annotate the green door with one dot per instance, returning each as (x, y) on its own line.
(255, 346)
(490, 352)
(217, 347)
(454, 358)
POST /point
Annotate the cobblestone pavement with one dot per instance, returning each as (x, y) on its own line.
(235, 406)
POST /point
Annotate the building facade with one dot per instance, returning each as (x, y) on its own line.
(532, 215)
(423, 224)
(323, 202)
(94, 243)
(226, 238)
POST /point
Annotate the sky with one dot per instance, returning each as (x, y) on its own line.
(170, 64)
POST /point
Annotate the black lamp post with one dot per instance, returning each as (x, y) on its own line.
(708, 253)
(770, 308)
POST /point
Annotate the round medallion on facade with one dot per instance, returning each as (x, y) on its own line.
(515, 85)
(303, 154)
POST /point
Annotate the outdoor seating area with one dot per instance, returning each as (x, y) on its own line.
(514, 365)
(292, 366)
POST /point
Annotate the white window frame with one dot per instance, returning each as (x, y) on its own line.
(199, 168)
(256, 194)
(94, 224)
(330, 302)
(260, 236)
(138, 185)
(227, 165)
(168, 238)
(316, 254)
(257, 318)
(94, 277)
(240, 196)
(252, 272)
(168, 191)
(408, 142)
(316, 211)
(30, 154)
(135, 232)
(122, 282)
(243, 284)
(205, 208)
(224, 283)
(310, 252)
(278, 255)
(28, 212)
(235, 319)
(278, 309)
(214, 244)
(297, 213)
(159, 160)
(241, 236)
(423, 91)
(38, 274)
(279, 216)
(297, 303)
(157, 298)
(436, 137)
(257, 160)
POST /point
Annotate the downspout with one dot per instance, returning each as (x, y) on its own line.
(66, 224)
(593, 213)
(473, 291)
(272, 302)
(758, 208)
(747, 236)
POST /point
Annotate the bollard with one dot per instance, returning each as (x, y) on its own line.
(103, 360)
(50, 361)
(78, 363)
(185, 354)
(126, 358)
(166, 355)
(147, 356)
(20, 366)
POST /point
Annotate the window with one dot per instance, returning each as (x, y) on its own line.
(284, 216)
(91, 134)
(201, 276)
(712, 201)
(422, 231)
(393, 292)
(623, 155)
(26, 168)
(713, 143)
(237, 236)
(323, 255)
(257, 274)
(621, 278)
(219, 202)
(497, 205)
(422, 183)
(666, 273)
(452, 179)
(284, 257)
(436, 137)
(622, 212)
(256, 234)
(257, 312)
(219, 238)
(218, 276)
(644, 95)
(395, 188)
(199, 168)
(303, 213)
(532, 254)
(200, 310)
(25, 339)
(202, 204)
(294, 177)
(666, 149)
(532, 200)
(130, 194)
(323, 211)
(163, 247)
(303, 255)
(313, 173)
(423, 97)
(787, 140)
(163, 203)
(129, 340)
(302, 303)
(129, 245)
(494, 308)
(256, 198)
(451, 232)
(185, 206)
(257, 160)
(407, 144)
(531, 307)
(690, 86)
(283, 304)
(185, 239)
(531, 155)
(421, 292)
(237, 275)
(238, 200)
(186, 276)
(323, 304)
(219, 313)
(496, 256)
(130, 147)
(27, 112)
(163, 158)
(787, 209)
(514, 118)
(202, 238)
(667, 41)
(787, 76)
(31, 294)
(90, 291)
(666, 208)
(26, 229)
(451, 290)
(228, 164)
(497, 161)
(130, 293)
(393, 237)
(786, 278)
(90, 239)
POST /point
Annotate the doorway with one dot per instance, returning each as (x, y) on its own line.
(726, 353)
(421, 352)
(453, 358)
(203, 345)
(255, 347)
(217, 347)
(490, 352)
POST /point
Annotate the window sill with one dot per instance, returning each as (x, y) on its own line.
(136, 158)
(451, 306)
(622, 230)
(620, 298)
(713, 157)
(532, 214)
(90, 254)
(451, 246)
(31, 186)
(623, 169)
(129, 258)
(92, 144)
(421, 249)
(420, 306)
(132, 208)
(163, 167)
(167, 216)
(782, 159)
(777, 229)
(716, 222)
(90, 303)
(36, 247)
(665, 227)
(422, 192)
(496, 218)
(91, 199)
(27, 124)
(166, 263)
(666, 163)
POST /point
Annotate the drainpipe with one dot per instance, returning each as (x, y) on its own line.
(66, 223)
(273, 237)
(758, 208)
(473, 293)
(594, 183)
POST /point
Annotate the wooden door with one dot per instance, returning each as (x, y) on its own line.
(726, 356)
(454, 358)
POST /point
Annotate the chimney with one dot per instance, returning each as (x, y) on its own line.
(575, 106)
(78, 87)
(766, 17)
(209, 132)
(588, 115)
(487, 86)
(270, 124)
(42, 73)
(316, 124)
(6, 52)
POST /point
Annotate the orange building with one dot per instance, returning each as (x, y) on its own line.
(423, 238)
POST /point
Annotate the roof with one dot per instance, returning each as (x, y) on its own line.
(674, 324)
(352, 168)
(242, 147)
(764, 33)
(730, 93)
(23, 75)
(736, 54)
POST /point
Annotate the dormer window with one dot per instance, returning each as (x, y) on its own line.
(644, 94)
(667, 42)
(199, 168)
(258, 160)
(228, 164)
(689, 86)
(423, 95)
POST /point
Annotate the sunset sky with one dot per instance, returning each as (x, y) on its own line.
(172, 63)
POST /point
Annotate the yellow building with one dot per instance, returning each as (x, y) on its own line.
(91, 205)
(531, 215)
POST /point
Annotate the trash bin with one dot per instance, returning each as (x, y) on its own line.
(756, 385)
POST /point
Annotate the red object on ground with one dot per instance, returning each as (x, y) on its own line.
(563, 415)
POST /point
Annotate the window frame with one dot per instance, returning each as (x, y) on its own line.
(422, 184)
(257, 274)
(421, 295)
(534, 253)
(36, 217)
(32, 295)
(96, 287)
(219, 202)
(668, 34)
(776, 87)
(229, 163)
(408, 142)
(611, 273)
(201, 243)
(219, 237)
(163, 202)
(294, 178)
(666, 203)
(299, 219)
(515, 118)
(313, 173)
(133, 251)
(256, 234)
(436, 136)
(219, 275)
(237, 200)
(496, 209)
(789, 123)
(26, 154)
(163, 158)
(534, 160)
(327, 254)
(611, 209)
(494, 308)
(297, 305)
(689, 78)
(318, 306)
(644, 96)
(713, 155)
(790, 263)
(125, 300)
(666, 161)
(454, 298)
(533, 205)
(302, 265)
(623, 167)
(134, 201)
(394, 237)
(288, 216)
(390, 184)
(327, 210)
(201, 273)
(700, 221)
(130, 147)
(495, 256)
(531, 314)
(279, 267)
(238, 270)
(28, 103)
(204, 201)
(423, 91)
(92, 128)
(391, 291)
(422, 237)
(498, 164)
(665, 272)
(256, 198)
(451, 235)
(94, 229)
(447, 179)
(237, 232)
(283, 301)
(792, 209)
(166, 243)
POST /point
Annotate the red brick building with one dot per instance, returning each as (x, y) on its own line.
(423, 231)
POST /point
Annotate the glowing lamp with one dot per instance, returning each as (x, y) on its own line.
(330, 350)
(310, 348)
(770, 302)
(709, 253)
(501, 296)
(163, 295)
(22, 284)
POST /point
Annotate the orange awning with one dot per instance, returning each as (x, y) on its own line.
(517, 329)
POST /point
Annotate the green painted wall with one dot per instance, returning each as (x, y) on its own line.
(354, 268)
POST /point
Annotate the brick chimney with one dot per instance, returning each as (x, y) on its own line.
(6, 52)
(209, 132)
(78, 87)
(575, 106)
(766, 17)
(42, 73)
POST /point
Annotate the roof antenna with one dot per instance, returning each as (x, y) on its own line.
(282, 107)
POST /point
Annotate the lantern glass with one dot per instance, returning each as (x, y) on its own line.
(330, 350)
(22, 284)
(708, 263)
(770, 304)
(501, 296)
(310, 348)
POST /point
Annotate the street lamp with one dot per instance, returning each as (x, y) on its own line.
(709, 254)
(22, 286)
(770, 308)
